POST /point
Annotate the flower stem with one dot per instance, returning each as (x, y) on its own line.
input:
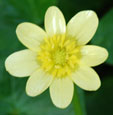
(78, 102)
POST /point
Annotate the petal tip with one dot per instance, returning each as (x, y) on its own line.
(98, 85)
(7, 65)
(21, 25)
(29, 92)
(91, 13)
(53, 7)
(61, 106)
(106, 53)
(60, 96)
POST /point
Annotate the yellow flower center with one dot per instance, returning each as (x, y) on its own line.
(59, 55)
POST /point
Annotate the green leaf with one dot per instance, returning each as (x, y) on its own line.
(78, 101)
(101, 101)
(104, 34)
(25, 10)
(71, 7)
(19, 103)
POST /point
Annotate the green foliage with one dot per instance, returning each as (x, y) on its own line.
(25, 10)
(71, 7)
(104, 34)
(101, 101)
(18, 102)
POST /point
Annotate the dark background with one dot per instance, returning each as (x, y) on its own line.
(13, 100)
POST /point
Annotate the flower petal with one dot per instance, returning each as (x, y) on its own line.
(30, 35)
(93, 55)
(54, 21)
(83, 26)
(21, 63)
(61, 92)
(86, 78)
(38, 82)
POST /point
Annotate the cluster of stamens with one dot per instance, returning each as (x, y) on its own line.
(59, 55)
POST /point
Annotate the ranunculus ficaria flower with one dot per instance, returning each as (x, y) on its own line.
(58, 56)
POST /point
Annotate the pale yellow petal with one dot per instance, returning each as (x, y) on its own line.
(61, 92)
(83, 26)
(93, 55)
(54, 21)
(21, 63)
(38, 82)
(30, 35)
(86, 78)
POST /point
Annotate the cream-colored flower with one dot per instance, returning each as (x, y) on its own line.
(58, 57)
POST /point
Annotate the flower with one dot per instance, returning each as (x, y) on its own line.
(58, 57)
